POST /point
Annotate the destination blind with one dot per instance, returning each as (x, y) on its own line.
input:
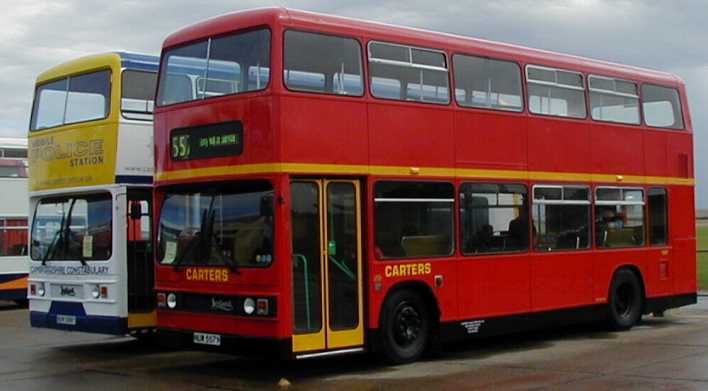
(207, 141)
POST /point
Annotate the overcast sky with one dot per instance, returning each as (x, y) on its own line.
(665, 35)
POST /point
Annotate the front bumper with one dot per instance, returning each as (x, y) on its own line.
(83, 322)
(234, 344)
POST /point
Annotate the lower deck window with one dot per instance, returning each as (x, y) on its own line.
(658, 215)
(13, 237)
(414, 219)
(493, 218)
(619, 215)
(561, 218)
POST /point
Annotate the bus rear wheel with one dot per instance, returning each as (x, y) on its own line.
(626, 300)
(22, 303)
(405, 330)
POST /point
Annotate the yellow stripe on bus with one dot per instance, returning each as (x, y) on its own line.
(348, 169)
(20, 283)
(142, 320)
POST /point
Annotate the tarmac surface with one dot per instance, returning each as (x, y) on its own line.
(668, 353)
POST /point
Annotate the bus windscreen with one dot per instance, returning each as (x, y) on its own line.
(73, 228)
(231, 64)
(227, 226)
(71, 100)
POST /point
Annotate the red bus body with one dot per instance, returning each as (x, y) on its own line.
(290, 134)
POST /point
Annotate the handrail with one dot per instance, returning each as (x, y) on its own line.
(306, 281)
(343, 268)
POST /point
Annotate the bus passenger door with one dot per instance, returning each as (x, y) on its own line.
(139, 259)
(327, 275)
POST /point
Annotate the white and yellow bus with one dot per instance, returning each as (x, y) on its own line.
(91, 167)
(13, 219)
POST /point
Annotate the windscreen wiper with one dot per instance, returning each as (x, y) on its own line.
(52, 246)
(58, 236)
(197, 240)
(188, 248)
(67, 232)
(209, 235)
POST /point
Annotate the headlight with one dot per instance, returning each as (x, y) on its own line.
(249, 306)
(40, 289)
(172, 300)
(96, 292)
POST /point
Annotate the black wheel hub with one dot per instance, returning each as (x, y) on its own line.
(407, 325)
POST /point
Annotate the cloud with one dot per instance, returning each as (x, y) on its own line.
(37, 34)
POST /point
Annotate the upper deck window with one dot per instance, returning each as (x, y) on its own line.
(408, 73)
(138, 94)
(613, 100)
(322, 63)
(487, 83)
(662, 107)
(231, 64)
(555, 92)
(70, 100)
(13, 153)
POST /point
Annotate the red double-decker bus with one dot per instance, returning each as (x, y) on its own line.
(334, 186)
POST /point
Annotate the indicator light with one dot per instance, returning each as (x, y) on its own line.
(161, 300)
(262, 307)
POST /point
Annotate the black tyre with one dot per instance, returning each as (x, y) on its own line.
(22, 303)
(147, 338)
(626, 299)
(405, 327)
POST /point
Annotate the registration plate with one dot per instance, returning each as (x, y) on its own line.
(68, 320)
(207, 339)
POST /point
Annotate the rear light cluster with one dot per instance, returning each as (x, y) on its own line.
(258, 305)
(99, 292)
(168, 300)
(37, 289)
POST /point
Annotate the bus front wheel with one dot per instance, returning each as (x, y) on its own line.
(405, 327)
(626, 298)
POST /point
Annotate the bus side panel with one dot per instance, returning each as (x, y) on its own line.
(682, 230)
(485, 139)
(656, 153)
(494, 286)
(558, 145)
(134, 161)
(323, 130)
(682, 219)
(415, 130)
(616, 149)
(561, 279)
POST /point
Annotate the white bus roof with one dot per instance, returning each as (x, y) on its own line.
(13, 142)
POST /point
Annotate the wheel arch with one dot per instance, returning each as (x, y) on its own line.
(421, 288)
